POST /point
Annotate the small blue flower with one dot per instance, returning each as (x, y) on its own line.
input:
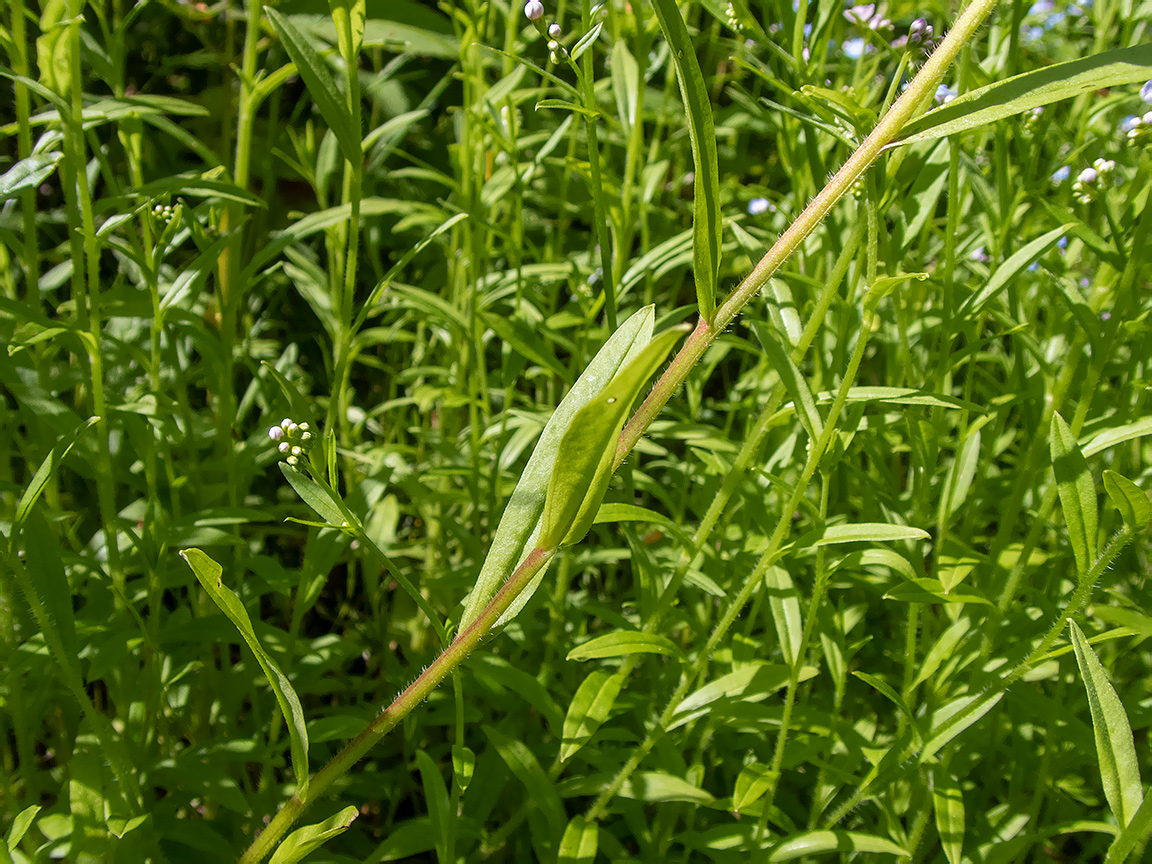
(1042, 6)
(1146, 92)
(1061, 174)
(945, 94)
(854, 48)
(757, 206)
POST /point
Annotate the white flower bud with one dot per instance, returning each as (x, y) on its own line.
(554, 31)
(307, 436)
(275, 433)
(304, 427)
(285, 446)
(296, 451)
(533, 10)
(285, 423)
(1088, 175)
(553, 45)
(292, 460)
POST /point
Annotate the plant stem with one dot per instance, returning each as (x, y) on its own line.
(387, 719)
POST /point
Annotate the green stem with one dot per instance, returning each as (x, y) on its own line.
(921, 88)
(402, 705)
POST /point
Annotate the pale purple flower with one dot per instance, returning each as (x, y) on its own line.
(1061, 174)
(1146, 92)
(757, 206)
(945, 94)
(854, 48)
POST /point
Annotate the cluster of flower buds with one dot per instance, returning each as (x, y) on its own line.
(1140, 130)
(534, 12)
(1031, 118)
(1088, 183)
(162, 212)
(294, 439)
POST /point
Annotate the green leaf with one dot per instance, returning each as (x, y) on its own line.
(20, 826)
(586, 41)
(1030, 90)
(319, 82)
(43, 474)
(751, 784)
(208, 574)
(657, 786)
(580, 842)
(42, 556)
(28, 174)
(1012, 267)
(439, 808)
(706, 224)
(1136, 832)
(315, 496)
(943, 729)
(625, 84)
(1115, 750)
(519, 525)
(793, 381)
(589, 709)
(1129, 499)
(463, 766)
(784, 601)
(879, 532)
(584, 458)
(827, 842)
(1111, 437)
(348, 18)
(542, 794)
(750, 683)
(621, 642)
(960, 475)
(1077, 493)
(948, 804)
(305, 840)
(925, 590)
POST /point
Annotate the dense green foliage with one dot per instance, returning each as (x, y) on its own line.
(874, 579)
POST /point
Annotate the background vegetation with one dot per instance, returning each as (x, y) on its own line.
(218, 216)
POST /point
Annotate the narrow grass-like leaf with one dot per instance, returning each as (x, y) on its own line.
(706, 224)
(622, 642)
(959, 479)
(27, 174)
(20, 826)
(784, 601)
(878, 532)
(1077, 493)
(1115, 750)
(828, 842)
(439, 808)
(657, 786)
(751, 683)
(1111, 437)
(319, 82)
(40, 479)
(314, 495)
(1030, 90)
(587, 41)
(925, 590)
(208, 573)
(542, 794)
(306, 840)
(580, 841)
(42, 556)
(1129, 499)
(519, 525)
(1012, 267)
(584, 457)
(944, 730)
(589, 709)
(793, 381)
(625, 83)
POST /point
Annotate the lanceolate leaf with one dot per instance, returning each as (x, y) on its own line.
(305, 840)
(519, 526)
(589, 709)
(793, 380)
(584, 457)
(819, 842)
(319, 82)
(706, 226)
(1030, 90)
(580, 842)
(1077, 493)
(1130, 499)
(1119, 767)
(208, 574)
(348, 17)
(27, 174)
(622, 642)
